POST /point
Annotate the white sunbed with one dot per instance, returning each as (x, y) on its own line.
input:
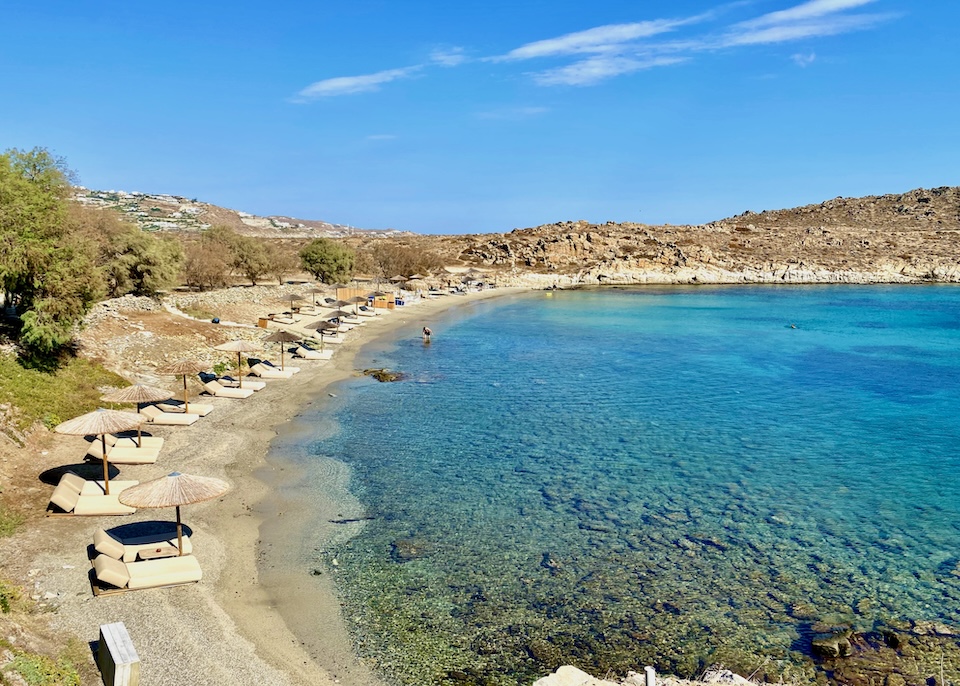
(129, 548)
(265, 372)
(174, 406)
(119, 454)
(155, 415)
(310, 354)
(219, 391)
(252, 384)
(74, 495)
(121, 576)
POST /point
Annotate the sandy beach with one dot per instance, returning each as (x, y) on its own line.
(259, 616)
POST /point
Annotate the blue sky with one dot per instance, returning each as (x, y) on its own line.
(456, 117)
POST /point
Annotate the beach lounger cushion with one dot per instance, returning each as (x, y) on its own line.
(93, 505)
(167, 571)
(266, 372)
(152, 442)
(65, 497)
(287, 368)
(130, 548)
(155, 415)
(215, 389)
(75, 495)
(201, 409)
(123, 454)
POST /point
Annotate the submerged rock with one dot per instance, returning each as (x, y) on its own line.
(406, 549)
(384, 375)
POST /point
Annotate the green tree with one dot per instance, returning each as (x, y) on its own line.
(47, 273)
(328, 261)
(282, 261)
(251, 258)
(132, 261)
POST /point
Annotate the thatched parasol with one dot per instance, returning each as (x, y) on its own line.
(341, 303)
(322, 326)
(239, 347)
(182, 368)
(315, 292)
(139, 394)
(101, 422)
(398, 278)
(173, 490)
(291, 299)
(417, 277)
(282, 337)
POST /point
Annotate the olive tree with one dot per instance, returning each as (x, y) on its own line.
(329, 261)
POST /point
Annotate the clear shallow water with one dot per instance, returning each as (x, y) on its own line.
(660, 476)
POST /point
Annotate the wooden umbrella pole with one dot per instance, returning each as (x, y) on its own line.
(106, 468)
(281, 355)
(239, 375)
(186, 404)
(179, 532)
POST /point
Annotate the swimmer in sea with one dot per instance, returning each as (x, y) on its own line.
(426, 334)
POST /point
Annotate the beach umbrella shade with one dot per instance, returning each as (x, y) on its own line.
(398, 278)
(417, 277)
(173, 490)
(239, 347)
(341, 303)
(183, 368)
(139, 394)
(321, 327)
(356, 300)
(315, 292)
(290, 300)
(101, 422)
(282, 337)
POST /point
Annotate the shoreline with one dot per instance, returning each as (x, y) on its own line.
(241, 624)
(315, 643)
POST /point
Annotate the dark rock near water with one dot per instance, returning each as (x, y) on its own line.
(384, 375)
(831, 645)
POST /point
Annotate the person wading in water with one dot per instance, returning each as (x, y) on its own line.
(426, 334)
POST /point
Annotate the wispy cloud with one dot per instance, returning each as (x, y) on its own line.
(594, 55)
(347, 85)
(596, 40)
(448, 57)
(596, 69)
(812, 19)
(808, 10)
(381, 137)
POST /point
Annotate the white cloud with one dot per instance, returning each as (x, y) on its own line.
(596, 69)
(596, 40)
(347, 85)
(448, 57)
(803, 60)
(782, 33)
(808, 10)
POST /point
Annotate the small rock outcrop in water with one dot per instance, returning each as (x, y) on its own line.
(384, 375)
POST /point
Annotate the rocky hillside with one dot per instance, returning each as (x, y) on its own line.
(911, 237)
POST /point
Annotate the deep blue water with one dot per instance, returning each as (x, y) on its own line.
(675, 477)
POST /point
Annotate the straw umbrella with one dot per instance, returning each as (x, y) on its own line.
(290, 300)
(282, 337)
(356, 300)
(239, 347)
(139, 394)
(101, 422)
(321, 327)
(182, 368)
(173, 490)
(315, 292)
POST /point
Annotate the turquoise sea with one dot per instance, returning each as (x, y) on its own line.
(669, 476)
